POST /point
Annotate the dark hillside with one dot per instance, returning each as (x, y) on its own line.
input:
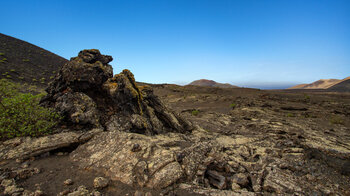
(343, 86)
(23, 62)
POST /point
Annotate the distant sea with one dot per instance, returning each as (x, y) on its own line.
(264, 87)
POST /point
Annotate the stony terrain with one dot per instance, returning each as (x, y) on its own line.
(174, 140)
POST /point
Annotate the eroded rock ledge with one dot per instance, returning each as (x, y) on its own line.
(88, 96)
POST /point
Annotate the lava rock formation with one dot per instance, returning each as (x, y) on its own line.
(88, 96)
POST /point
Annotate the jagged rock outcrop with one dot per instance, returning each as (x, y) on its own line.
(88, 96)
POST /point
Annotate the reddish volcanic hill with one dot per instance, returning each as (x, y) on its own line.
(323, 84)
(211, 83)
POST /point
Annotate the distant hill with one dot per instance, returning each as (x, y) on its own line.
(320, 84)
(23, 62)
(211, 83)
(299, 86)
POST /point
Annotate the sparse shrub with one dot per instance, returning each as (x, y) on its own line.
(21, 114)
(8, 76)
(2, 54)
(12, 70)
(51, 77)
(336, 120)
(306, 115)
(54, 72)
(5, 74)
(34, 80)
(290, 115)
(306, 98)
(3, 60)
(25, 60)
(21, 77)
(195, 112)
(233, 105)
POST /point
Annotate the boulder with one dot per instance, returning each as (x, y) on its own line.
(100, 182)
(280, 182)
(80, 191)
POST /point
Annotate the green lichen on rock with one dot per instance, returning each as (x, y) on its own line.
(128, 84)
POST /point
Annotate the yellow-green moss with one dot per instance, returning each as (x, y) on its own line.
(112, 85)
(130, 84)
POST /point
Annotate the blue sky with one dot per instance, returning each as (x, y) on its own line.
(252, 43)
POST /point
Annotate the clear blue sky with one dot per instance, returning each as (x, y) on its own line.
(256, 43)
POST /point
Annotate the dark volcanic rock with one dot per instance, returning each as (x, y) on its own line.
(87, 95)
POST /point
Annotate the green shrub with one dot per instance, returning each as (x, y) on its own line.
(25, 60)
(336, 120)
(290, 115)
(232, 105)
(12, 70)
(2, 54)
(195, 112)
(21, 114)
(3, 60)
(306, 98)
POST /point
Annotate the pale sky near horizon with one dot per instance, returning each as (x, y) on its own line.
(251, 43)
